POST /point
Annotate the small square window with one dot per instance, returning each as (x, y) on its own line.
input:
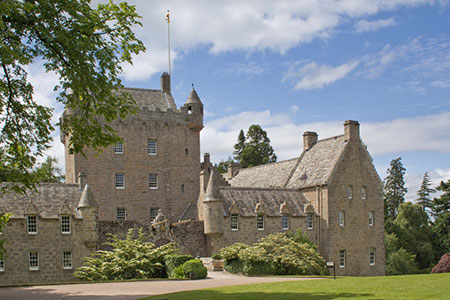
(65, 224)
(260, 222)
(309, 221)
(153, 181)
(349, 192)
(285, 222)
(234, 222)
(371, 218)
(341, 258)
(182, 188)
(67, 260)
(121, 214)
(153, 213)
(363, 193)
(372, 256)
(118, 148)
(152, 147)
(186, 151)
(32, 224)
(2, 265)
(341, 218)
(33, 261)
(120, 181)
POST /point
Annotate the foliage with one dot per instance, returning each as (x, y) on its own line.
(254, 149)
(441, 213)
(132, 258)
(195, 266)
(276, 254)
(424, 192)
(216, 256)
(235, 266)
(394, 190)
(48, 171)
(300, 237)
(85, 47)
(173, 262)
(3, 220)
(401, 262)
(222, 166)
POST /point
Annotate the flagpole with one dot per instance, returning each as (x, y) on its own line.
(168, 37)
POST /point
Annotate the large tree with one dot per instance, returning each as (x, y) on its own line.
(441, 213)
(394, 189)
(255, 149)
(85, 47)
(424, 198)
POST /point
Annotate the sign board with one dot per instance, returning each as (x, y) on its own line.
(330, 264)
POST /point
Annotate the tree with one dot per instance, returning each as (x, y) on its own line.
(256, 149)
(48, 171)
(85, 48)
(441, 212)
(239, 146)
(424, 193)
(394, 190)
(222, 166)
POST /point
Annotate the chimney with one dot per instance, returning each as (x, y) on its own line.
(165, 83)
(351, 130)
(82, 180)
(309, 140)
(232, 169)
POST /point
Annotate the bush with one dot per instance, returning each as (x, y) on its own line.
(261, 268)
(232, 252)
(401, 262)
(132, 258)
(235, 266)
(195, 266)
(174, 261)
(216, 256)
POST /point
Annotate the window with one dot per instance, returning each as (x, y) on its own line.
(33, 261)
(2, 265)
(186, 151)
(372, 256)
(152, 147)
(341, 218)
(285, 222)
(341, 258)
(182, 188)
(363, 193)
(260, 222)
(371, 218)
(121, 214)
(235, 222)
(309, 221)
(67, 260)
(118, 148)
(153, 181)
(32, 224)
(349, 192)
(153, 213)
(65, 224)
(120, 181)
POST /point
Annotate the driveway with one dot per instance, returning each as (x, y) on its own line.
(130, 290)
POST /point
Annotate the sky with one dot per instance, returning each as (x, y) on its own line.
(305, 65)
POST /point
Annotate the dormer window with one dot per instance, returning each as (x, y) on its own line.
(65, 224)
(285, 222)
(234, 222)
(309, 221)
(260, 222)
(32, 224)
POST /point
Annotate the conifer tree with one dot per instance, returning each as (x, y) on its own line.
(441, 212)
(424, 193)
(394, 189)
(239, 146)
(255, 148)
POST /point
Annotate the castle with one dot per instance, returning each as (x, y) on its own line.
(154, 179)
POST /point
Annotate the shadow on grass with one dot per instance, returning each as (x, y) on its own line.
(205, 294)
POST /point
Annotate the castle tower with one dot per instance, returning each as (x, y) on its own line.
(88, 210)
(194, 108)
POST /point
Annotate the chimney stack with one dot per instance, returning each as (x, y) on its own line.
(82, 180)
(351, 130)
(309, 140)
(165, 82)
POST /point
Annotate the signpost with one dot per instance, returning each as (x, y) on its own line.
(330, 264)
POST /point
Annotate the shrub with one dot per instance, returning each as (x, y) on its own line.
(232, 252)
(216, 256)
(132, 258)
(261, 268)
(174, 261)
(235, 266)
(195, 266)
(401, 262)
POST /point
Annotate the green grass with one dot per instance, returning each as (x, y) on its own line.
(429, 286)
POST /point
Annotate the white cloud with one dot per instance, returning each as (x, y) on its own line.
(293, 108)
(367, 26)
(248, 70)
(315, 76)
(413, 182)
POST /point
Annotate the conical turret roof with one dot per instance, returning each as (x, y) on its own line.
(212, 190)
(193, 98)
(87, 199)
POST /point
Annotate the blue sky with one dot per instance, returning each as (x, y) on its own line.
(295, 66)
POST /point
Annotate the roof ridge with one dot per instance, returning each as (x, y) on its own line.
(259, 188)
(268, 164)
(141, 89)
(299, 160)
(331, 138)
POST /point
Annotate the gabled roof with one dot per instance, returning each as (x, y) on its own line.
(313, 167)
(49, 200)
(272, 200)
(152, 99)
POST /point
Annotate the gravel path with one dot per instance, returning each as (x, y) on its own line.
(130, 290)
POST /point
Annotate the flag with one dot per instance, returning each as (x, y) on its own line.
(168, 17)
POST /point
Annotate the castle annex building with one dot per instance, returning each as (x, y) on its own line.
(154, 179)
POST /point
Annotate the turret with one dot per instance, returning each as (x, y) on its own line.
(194, 108)
(213, 207)
(88, 210)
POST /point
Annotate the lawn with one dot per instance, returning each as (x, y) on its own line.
(428, 286)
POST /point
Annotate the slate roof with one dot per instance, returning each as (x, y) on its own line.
(152, 99)
(313, 167)
(271, 199)
(49, 199)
